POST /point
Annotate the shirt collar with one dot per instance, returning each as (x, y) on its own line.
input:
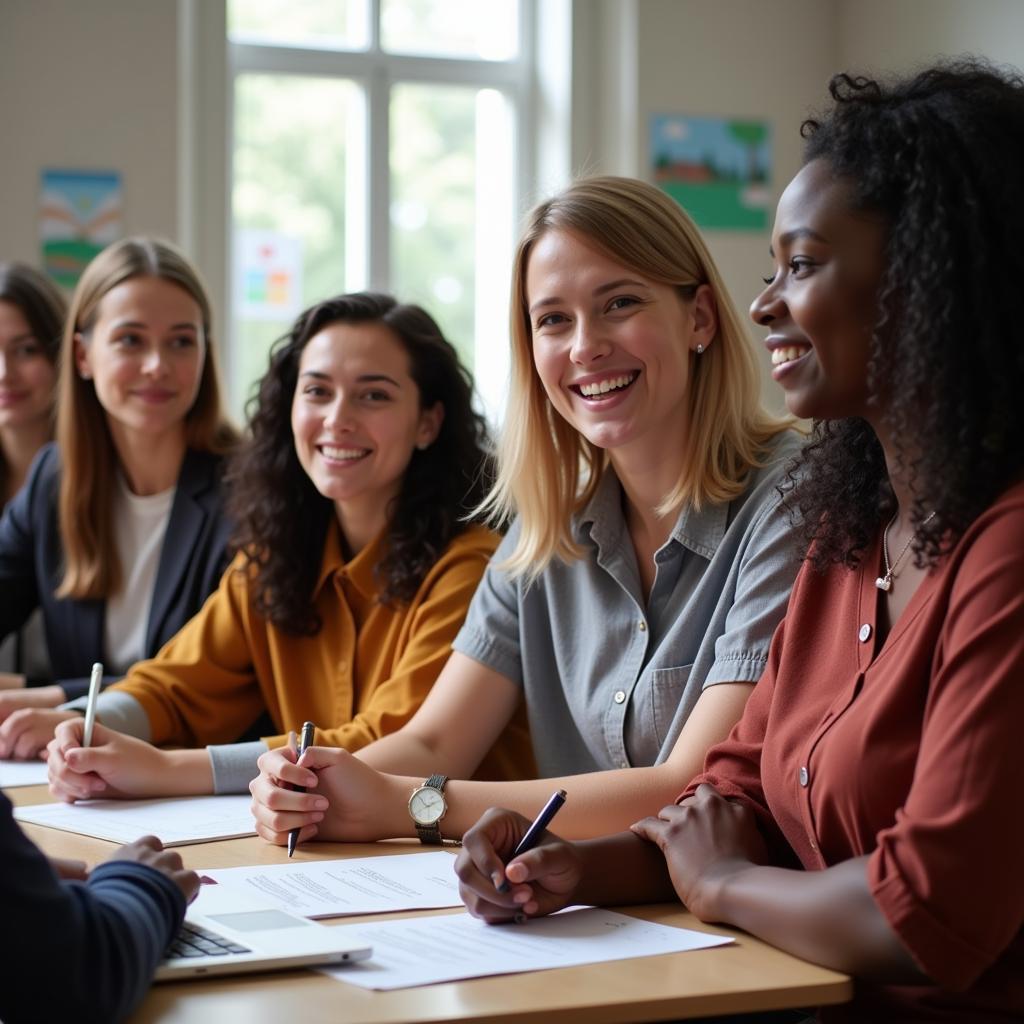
(602, 520)
(360, 570)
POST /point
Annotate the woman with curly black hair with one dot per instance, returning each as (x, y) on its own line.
(861, 814)
(354, 569)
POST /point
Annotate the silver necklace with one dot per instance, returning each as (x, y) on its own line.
(885, 582)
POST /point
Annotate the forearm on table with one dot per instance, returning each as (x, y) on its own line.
(622, 869)
(828, 917)
(597, 803)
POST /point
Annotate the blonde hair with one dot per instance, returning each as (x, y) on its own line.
(89, 460)
(547, 471)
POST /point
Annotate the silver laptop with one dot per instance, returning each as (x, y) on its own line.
(228, 932)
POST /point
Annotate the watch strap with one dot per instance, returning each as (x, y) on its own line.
(430, 835)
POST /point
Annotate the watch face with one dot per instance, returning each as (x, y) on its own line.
(426, 806)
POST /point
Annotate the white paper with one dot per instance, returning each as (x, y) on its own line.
(177, 822)
(362, 885)
(428, 950)
(22, 773)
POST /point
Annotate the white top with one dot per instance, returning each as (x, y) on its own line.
(140, 523)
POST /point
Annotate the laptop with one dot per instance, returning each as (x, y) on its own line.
(229, 932)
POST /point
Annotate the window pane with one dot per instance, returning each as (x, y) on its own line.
(327, 24)
(298, 217)
(483, 29)
(452, 216)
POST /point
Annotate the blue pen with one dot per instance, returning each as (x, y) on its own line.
(536, 830)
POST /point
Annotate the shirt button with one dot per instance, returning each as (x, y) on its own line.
(804, 775)
(814, 845)
(865, 633)
(642, 626)
(620, 696)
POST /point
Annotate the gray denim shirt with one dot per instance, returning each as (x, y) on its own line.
(610, 678)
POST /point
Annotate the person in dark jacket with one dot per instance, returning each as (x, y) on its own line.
(107, 929)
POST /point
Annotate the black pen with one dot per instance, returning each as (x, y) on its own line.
(536, 830)
(308, 729)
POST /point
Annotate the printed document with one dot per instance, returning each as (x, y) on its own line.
(428, 950)
(177, 822)
(363, 885)
(22, 773)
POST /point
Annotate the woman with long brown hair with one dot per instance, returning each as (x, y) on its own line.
(119, 533)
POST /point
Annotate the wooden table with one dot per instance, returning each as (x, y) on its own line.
(739, 978)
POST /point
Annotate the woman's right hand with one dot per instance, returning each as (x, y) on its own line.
(149, 850)
(541, 881)
(115, 765)
(345, 800)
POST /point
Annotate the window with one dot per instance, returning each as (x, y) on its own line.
(377, 144)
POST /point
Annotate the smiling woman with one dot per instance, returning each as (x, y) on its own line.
(355, 566)
(633, 599)
(119, 534)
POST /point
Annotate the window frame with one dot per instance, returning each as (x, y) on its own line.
(377, 72)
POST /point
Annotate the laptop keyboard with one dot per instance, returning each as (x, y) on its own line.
(194, 941)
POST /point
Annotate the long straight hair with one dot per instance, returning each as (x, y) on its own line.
(89, 461)
(547, 470)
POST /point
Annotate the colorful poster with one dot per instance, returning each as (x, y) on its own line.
(718, 170)
(80, 213)
(268, 275)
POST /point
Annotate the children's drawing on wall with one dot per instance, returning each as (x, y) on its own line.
(717, 169)
(80, 213)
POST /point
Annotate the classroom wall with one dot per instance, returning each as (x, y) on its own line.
(91, 86)
(98, 84)
(752, 58)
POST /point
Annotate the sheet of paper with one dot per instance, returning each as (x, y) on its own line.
(22, 773)
(363, 885)
(177, 822)
(428, 950)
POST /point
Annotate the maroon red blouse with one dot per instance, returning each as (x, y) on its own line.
(911, 752)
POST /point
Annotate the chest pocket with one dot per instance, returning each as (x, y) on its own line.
(668, 686)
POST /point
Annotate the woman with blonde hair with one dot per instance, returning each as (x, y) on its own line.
(118, 534)
(633, 599)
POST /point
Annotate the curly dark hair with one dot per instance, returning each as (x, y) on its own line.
(934, 154)
(282, 520)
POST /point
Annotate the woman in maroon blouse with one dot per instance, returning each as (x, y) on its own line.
(864, 813)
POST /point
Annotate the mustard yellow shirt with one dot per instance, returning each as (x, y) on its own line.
(362, 676)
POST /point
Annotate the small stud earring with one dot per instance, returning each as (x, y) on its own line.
(700, 350)
(422, 446)
(85, 375)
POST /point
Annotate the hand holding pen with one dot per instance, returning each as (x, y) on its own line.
(305, 741)
(536, 830)
(496, 886)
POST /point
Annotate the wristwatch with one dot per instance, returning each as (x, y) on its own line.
(427, 807)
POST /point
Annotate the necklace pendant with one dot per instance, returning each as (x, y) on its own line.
(884, 582)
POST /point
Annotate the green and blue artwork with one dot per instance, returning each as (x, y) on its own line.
(717, 169)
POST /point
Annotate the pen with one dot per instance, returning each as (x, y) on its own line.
(308, 729)
(90, 705)
(536, 830)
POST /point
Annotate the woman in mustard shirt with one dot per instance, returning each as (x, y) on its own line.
(354, 570)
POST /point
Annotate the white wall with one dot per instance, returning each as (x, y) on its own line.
(888, 35)
(88, 86)
(97, 84)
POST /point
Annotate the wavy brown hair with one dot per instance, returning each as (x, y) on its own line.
(930, 154)
(88, 479)
(282, 519)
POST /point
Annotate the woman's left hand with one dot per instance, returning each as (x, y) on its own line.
(704, 840)
(25, 733)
